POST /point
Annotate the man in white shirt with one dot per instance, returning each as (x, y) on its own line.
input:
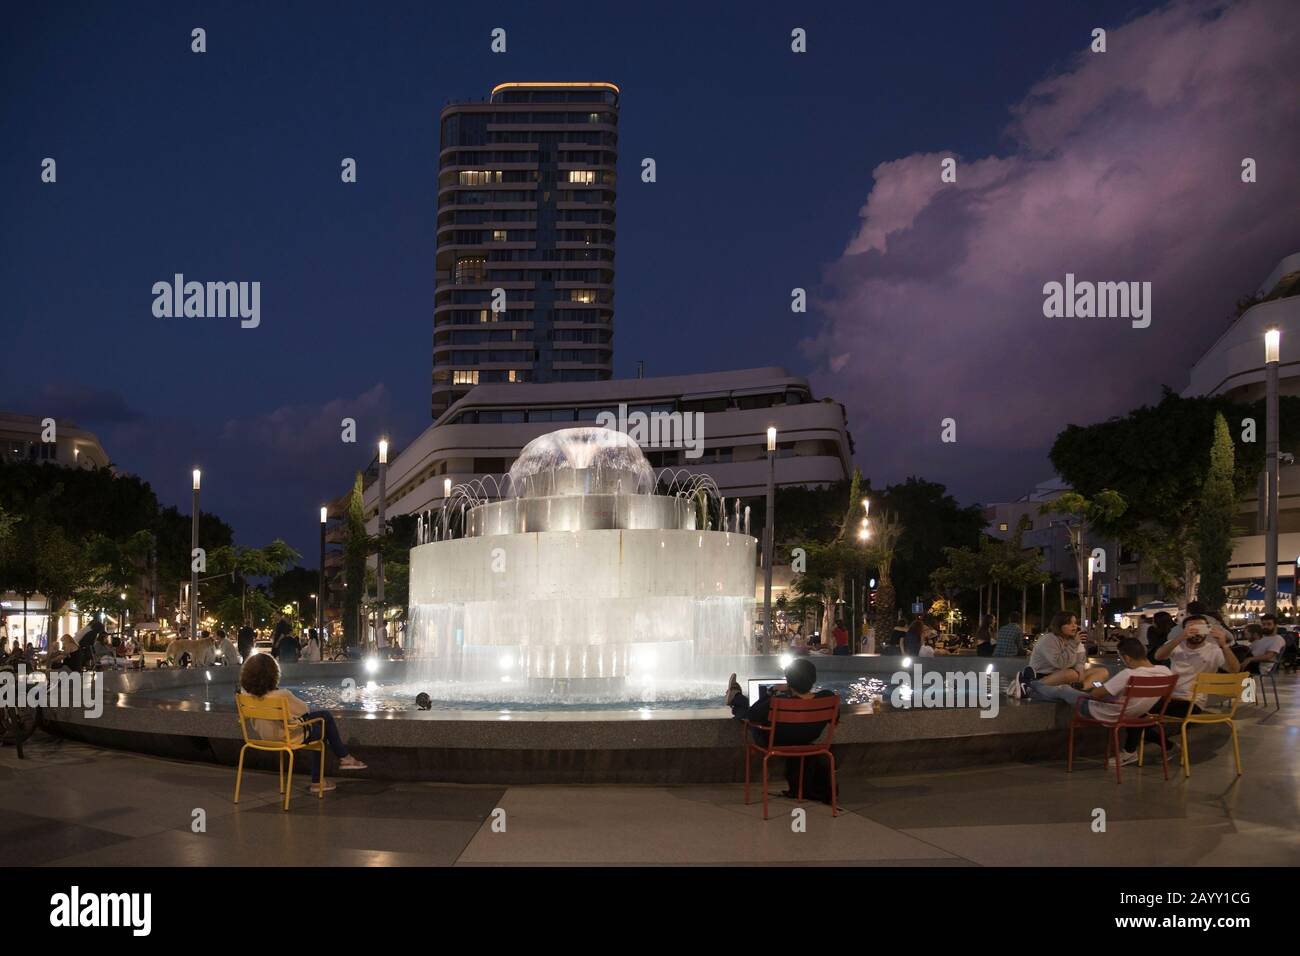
(1190, 651)
(1267, 648)
(1101, 701)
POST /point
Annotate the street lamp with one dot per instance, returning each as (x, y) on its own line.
(324, 515)
(769, 540)
(194, 547)
(446, 495)
(379, 563)
(1272, 354)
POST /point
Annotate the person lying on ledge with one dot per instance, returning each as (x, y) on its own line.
(800, 677)
(260, 678)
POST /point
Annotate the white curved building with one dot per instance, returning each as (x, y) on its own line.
(1234, 366)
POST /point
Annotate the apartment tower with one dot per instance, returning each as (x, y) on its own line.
(525, 263)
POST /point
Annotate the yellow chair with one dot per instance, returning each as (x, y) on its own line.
(1228, 686)
(276, 709)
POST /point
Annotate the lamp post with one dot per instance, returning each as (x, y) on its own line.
(768, 540)
(320, 617)
(194, 546)
(379, 568)
(121, 621)
(446, 495)
(1272, 348)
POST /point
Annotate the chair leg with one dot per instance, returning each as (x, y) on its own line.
(834, 795)
(1259, 686)
(1142, 746)
(1236, 747)
(748, 761)
(1187, 760)
(766, 757)
(801, 759)
(280, 761)
(239, 774)
(321, 794)
(1277, 701)
(288, 790)
(1069, 755)
(1164, 748)
(1114, 745)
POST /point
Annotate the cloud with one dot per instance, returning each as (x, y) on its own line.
(84, 404)
(1124, 167)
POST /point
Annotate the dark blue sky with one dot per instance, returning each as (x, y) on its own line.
(225, 166)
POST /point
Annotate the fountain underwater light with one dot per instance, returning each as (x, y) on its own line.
(574, 580)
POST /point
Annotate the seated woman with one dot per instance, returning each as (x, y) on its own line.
(1059, 657)
(260, 678)
(915, 642)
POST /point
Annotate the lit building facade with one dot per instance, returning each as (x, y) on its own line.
(524, 285)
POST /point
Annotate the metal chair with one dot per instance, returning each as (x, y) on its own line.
(277, 709)
(1139, 688)
(794, 710)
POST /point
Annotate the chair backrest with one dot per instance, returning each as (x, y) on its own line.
(1230, 686)
(1158, 686)
(261, 708)
(797, 710)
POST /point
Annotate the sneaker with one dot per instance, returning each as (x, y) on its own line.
(326, 787)
(1126, 757)
(351, 763)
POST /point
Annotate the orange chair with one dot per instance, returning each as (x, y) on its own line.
(1139, 688)
(276, 709)
(793, 710)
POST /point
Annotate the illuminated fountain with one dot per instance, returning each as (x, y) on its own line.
(574, 581)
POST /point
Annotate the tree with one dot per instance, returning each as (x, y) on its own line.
(934, 521)
(356, 544)
(1157, 458)
(1214, 523)
(886, 530)
(1103, 510)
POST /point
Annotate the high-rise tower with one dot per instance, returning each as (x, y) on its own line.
(525, 263)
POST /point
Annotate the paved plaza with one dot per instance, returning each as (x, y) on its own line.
(70, 804)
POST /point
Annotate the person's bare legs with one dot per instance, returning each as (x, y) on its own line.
(1067, 675)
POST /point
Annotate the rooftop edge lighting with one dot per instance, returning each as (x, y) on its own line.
(595, 85)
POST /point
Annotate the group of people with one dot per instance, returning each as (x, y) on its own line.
(1059, 670)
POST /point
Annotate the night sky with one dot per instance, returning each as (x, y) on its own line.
(775, 170)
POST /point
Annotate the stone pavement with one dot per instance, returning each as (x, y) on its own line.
(71, 804)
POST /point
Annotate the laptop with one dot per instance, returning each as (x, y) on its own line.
(758, 687)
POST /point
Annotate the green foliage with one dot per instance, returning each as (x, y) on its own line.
(356, 544)
(1214, 520)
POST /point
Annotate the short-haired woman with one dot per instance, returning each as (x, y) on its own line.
(260, 678)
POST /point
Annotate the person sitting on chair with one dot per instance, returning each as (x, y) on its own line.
(800, 676)
(260, 678)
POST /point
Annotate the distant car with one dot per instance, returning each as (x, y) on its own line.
(262, 647)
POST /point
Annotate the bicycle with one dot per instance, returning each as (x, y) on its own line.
(17, 724)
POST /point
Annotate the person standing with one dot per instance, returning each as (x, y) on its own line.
(841, 636)
(247, 638)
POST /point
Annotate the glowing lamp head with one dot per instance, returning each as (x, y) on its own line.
(771, 439)
(383, 451)
(446, 487)
(197, 475)
(1272, 345)
(907, 662)
(324, 513)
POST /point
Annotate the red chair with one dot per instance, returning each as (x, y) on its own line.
(794, 710)
(1139, 688)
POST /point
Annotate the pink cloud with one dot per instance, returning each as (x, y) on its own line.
(1125, 167)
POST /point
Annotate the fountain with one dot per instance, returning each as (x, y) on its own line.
(580, 579)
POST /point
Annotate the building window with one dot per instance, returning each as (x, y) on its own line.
(1002, 526)
(498, 235)
(464, 376)
(510, 375)
(582, 295)
(584, 176)
(471, 270)
(479, 177)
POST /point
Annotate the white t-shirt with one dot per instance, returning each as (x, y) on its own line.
(1188, 661)
(926, 651)
(1268, 643)
(1109, 711)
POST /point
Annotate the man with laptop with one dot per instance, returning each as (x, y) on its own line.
(800, 677)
